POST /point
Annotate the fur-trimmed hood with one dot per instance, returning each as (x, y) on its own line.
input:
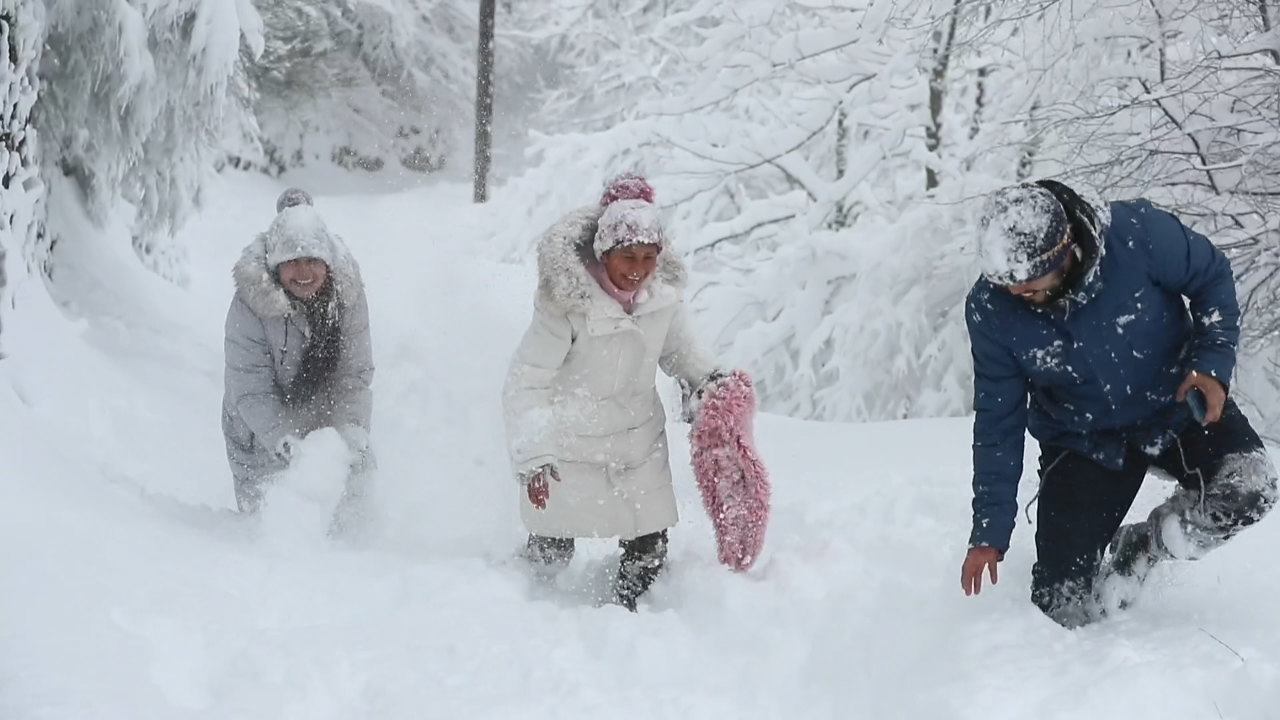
(295, 232)
(567, 247)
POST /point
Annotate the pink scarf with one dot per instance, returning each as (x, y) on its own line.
(624, 298)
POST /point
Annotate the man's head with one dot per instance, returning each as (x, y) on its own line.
(1025, 243)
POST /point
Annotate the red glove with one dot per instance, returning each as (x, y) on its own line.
(539, 488)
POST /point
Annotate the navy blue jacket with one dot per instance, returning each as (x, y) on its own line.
(1098, 371)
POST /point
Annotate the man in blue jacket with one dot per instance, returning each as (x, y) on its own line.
(1080, 335)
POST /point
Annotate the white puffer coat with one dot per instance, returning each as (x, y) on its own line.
(581, 392)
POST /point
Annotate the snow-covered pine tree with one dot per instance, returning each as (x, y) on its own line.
(364, 84)
(133, 107)
(599, 60)
(21, 190)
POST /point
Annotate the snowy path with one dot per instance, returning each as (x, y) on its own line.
(130, 592)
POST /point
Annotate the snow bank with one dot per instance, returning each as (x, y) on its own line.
(133, 592)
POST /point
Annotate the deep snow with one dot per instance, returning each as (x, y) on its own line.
(131, 591)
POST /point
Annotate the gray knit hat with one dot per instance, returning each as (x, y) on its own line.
(292, 197)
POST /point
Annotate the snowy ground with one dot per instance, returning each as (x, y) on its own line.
(131, 592)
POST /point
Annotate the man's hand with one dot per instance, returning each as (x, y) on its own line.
(1214, 394)
(978, 559)
(539, 487)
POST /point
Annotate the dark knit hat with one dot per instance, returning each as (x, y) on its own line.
(1022, 235)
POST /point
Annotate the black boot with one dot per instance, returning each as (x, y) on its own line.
(548, 555)
(1133, 554)
(642, 561)
(1131, 550)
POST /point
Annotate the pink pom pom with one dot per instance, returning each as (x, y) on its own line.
(627, 186)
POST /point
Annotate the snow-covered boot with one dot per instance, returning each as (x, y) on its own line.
(642, 561)
(1133, 554)
(548, 556)
(249, 495)
(1133, 550)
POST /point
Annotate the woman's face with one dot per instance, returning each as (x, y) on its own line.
(303, 277)
(630, 265)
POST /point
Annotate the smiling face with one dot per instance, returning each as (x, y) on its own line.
(303, 277)
(630, 265)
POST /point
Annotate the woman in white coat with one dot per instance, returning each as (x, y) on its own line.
(585, 425)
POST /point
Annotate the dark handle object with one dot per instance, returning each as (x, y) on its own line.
(1199, 406)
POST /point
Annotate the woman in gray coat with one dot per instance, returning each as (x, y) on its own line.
(298, 354)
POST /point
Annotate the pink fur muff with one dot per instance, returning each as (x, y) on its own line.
(733, 482)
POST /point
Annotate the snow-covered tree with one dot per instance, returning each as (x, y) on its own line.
(820, 161)
(785, 139)
(1175, 100)
(134, 98)
(597, 61)
(365, 84)
(21, 190)
(874, 330)
(140, 100)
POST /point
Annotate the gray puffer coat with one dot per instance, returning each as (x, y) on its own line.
(266, 336)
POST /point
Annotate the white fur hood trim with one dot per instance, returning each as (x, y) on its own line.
(295, 232)
(566, 248)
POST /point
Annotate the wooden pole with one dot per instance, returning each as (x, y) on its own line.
(484, 101)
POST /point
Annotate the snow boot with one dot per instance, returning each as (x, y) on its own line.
(642, 560)
(1133, 554)
(548, 556)
(249, 496)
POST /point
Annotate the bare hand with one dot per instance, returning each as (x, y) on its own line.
(977, 560)
(539, 488)
(1215, 395)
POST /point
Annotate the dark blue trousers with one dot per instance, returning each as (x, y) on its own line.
(1226, 481)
